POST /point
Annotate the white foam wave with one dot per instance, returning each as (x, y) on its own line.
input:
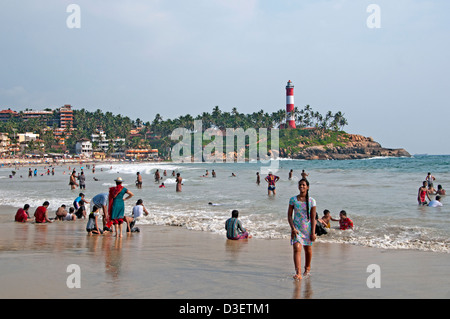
(113, 184)
(144, 168)
(265, 227)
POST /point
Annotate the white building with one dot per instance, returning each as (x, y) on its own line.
(27, 137)
(84, 148)
(103, 143)
(5, 142)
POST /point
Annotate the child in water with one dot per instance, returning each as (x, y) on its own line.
(92, 224)
(326, 218)
(344, 221)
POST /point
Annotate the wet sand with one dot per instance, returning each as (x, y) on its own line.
(174, 263)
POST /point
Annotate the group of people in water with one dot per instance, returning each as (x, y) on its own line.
(427, 190)
(302, 216)
(109, 205)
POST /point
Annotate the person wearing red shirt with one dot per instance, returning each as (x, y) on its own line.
(344, 221)
(41, 215)
(22, 214)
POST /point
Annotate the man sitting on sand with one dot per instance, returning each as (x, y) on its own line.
(234, 227)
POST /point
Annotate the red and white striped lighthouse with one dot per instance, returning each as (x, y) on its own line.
(290, 119)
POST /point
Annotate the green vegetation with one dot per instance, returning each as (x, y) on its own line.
(295, 140)
(313, 128)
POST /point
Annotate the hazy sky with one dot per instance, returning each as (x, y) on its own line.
(175, 57)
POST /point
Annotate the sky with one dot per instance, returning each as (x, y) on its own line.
(387, 69)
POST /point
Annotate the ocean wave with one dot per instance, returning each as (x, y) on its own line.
(387, 242)
(113, 184)
(143, 168)
(264, 227)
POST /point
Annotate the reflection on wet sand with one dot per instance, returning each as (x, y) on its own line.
(307, 292)
(113, 256)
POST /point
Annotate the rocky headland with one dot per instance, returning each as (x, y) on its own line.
(350, 146)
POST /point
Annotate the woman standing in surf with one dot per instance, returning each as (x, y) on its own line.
(116, 209)
(303, 225)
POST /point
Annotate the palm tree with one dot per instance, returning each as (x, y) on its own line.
(342, 122)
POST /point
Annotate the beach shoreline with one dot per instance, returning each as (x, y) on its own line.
(167, 262)
(70, 161)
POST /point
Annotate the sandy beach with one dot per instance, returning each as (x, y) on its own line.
(175, 263)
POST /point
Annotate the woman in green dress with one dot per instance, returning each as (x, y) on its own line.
(117, 205)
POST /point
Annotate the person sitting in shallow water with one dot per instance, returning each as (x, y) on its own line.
(234, 227)
(92, 224)
(440, 190)
(344, 221)
(326, 218)
(62, 214)
(22, 214)
(41, 214)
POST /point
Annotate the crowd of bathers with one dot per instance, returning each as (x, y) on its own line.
(99, 208)
(427, 190)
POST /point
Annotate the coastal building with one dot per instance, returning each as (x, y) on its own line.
(41, 115)
(27, 137)
(84, 148)
(136, 132)
(62, 132)
(5, 143)
(141, 153)
(65, 116)
(100, 142)
(98, 155)
(61, 117)
(6, 115)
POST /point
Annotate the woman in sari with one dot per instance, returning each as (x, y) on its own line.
(116, 209)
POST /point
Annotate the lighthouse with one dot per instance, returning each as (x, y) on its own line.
(290, 119)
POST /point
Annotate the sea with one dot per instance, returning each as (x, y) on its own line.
(378, 194)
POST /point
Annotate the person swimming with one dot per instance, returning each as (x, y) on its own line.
(213, 204)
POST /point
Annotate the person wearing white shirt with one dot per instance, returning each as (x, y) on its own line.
(435, 202)
(137, 213)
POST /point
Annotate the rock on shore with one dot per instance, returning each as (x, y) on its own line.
(357, 147)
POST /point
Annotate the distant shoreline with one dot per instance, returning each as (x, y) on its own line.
(40, 162)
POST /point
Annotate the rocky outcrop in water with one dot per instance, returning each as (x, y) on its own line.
(356, 147)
